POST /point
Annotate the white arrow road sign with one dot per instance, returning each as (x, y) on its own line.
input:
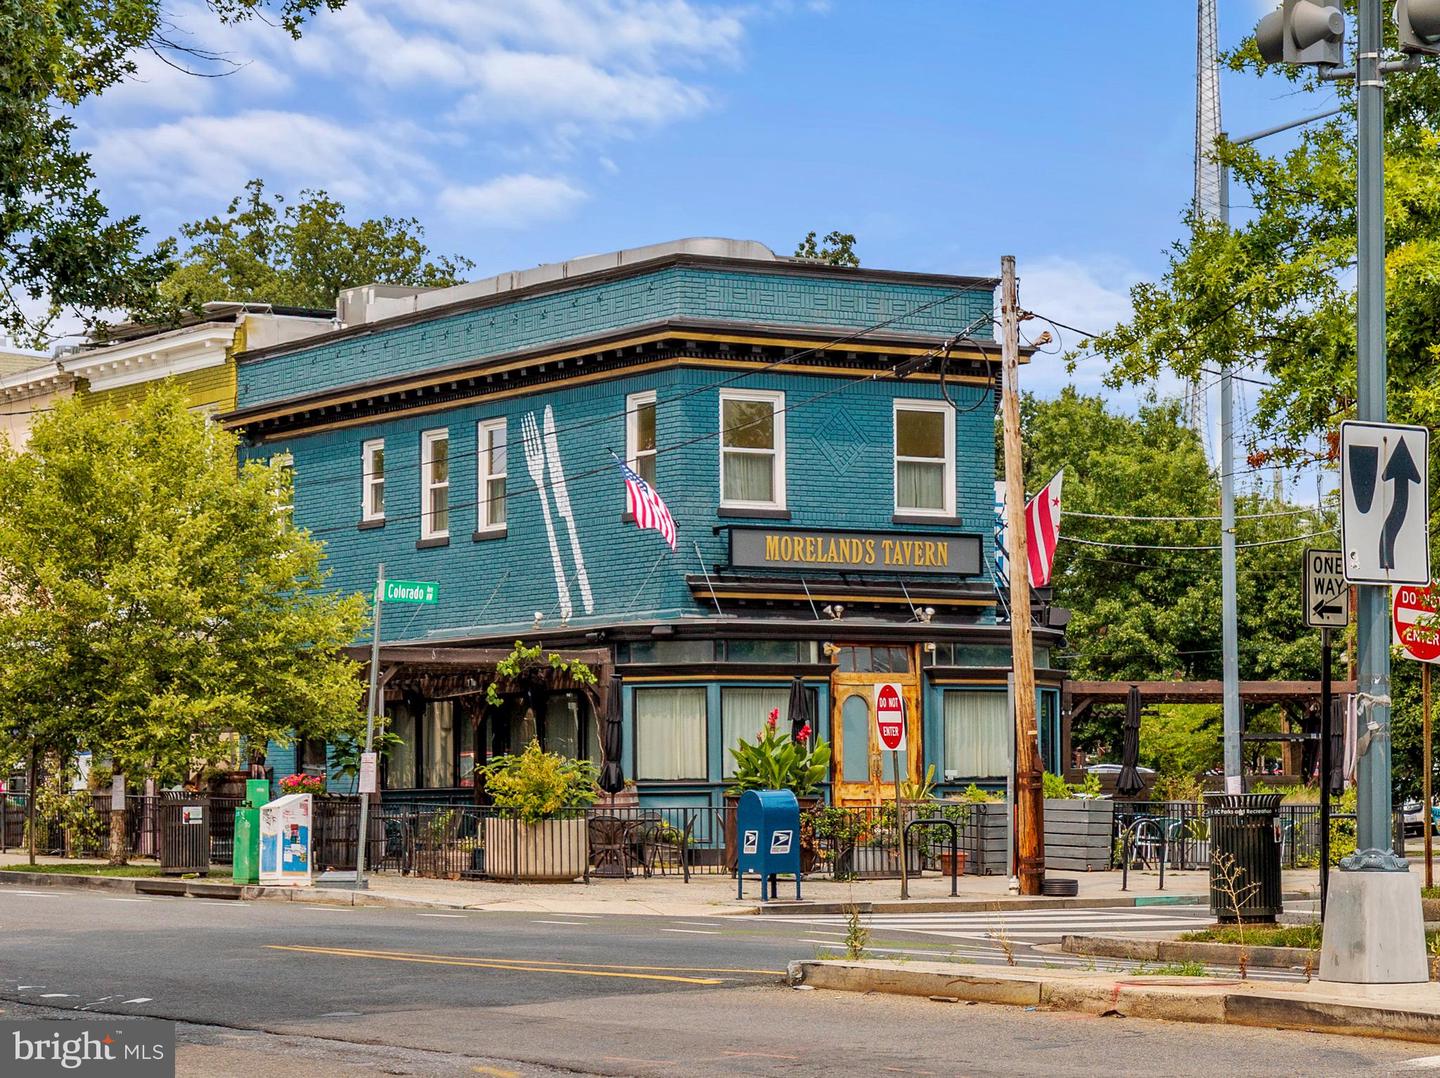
(1327, 596)
(1385, 498)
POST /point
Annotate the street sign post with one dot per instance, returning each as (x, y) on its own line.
(1326, 595)
(890, 727)
(1385, 499)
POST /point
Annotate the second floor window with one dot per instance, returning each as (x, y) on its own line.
(640, 434)
(285, 488)
(752, 449)
(435, 484)
(492, 475)
(924, 458)
(372, 496)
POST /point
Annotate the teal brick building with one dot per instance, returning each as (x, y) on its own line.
(828, 462)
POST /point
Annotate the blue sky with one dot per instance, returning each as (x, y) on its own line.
(943, 134)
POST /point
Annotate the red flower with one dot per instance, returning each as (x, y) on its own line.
(774, 717)
(804, 733)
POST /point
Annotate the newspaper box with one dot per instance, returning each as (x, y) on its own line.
(285, 842)
(768, 829)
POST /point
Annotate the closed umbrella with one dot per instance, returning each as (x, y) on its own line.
(799, 709)
(612, 742)
(1129, 783)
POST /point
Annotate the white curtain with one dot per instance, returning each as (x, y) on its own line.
(439, 744)
(978, 733)
(921, 485)
(749, 477)
(743, 713)
(400, 767)
(670, 734)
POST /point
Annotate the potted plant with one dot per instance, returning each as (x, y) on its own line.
(836, 830)
(302, 784)
(1078, 825)
(538, 831)
(775, 761)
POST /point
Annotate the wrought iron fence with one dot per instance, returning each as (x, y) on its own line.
(1186, 834)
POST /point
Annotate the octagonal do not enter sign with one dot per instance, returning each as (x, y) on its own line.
(890, 716)
(1416, 618)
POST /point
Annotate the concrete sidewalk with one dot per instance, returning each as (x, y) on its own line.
(710, 895)
(1402, 1012)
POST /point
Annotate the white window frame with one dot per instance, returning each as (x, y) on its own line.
(910, 405)
(286, 461)
(427, 440)
(633, 403)
(369, 480)
(484, 476)
(776, 399)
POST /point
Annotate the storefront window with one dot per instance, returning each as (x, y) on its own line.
(978, 735)
(670, 734)
(879, 659)
(743, 713)
(562, 726)
(400, 760)
(667, 651)
(1050, 730)
(439, 744)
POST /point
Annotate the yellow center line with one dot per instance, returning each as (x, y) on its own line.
(541, 961)
(476, 963)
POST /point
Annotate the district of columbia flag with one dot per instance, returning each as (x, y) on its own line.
(1042, 533)
(645, 505)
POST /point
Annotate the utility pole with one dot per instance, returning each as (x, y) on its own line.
(1029, 787)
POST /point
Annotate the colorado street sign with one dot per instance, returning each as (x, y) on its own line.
(1385, 498)
(1416, 616)
(411, 591)
(890, 716)
(1327, 596)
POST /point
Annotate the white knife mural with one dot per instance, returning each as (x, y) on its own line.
(535, 462)
(562, 505)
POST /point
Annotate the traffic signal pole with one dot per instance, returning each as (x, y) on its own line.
(1029, 784)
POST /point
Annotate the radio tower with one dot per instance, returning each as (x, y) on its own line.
(1207, 170)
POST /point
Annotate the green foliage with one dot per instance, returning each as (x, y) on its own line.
(59, 246)
(1181, 739)
(1172, 969)
(347, 749)
(974, 795)
(836, 249)
(537, 785)
(73, 811)
(524, 664)
(1306, 936)
(775, 762)
(1176, 786)
(157, 604)
(300, 255)
(1055, 787)
(923, 790)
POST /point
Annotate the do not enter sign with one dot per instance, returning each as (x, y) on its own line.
(1417, 622)
(890, 715)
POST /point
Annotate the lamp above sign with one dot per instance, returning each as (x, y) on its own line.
(854, 552)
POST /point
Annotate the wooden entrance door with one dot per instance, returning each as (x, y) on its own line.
(862, 771)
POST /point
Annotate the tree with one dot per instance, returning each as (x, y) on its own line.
(1141, 608)
(158, 604)
(836, 249)
(60, 249)
(300, 255)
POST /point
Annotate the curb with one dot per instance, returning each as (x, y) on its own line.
(1156, 950)
(177, 887)
(999, 904)
(1176, 999)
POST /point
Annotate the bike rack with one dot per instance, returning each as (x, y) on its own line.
(954, 846)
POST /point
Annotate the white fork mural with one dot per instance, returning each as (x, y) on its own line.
(542, 451)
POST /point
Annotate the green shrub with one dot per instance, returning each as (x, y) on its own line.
(538, 785)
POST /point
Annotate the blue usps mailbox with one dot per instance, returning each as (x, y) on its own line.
(768, 830)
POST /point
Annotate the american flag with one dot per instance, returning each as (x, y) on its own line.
(645, 505)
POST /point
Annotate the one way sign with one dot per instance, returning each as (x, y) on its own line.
(1385, 498)
(1327, 596)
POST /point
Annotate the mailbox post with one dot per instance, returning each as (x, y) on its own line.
(768, 827)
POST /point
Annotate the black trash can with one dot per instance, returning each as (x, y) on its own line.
(1245, 880)
(184, 836)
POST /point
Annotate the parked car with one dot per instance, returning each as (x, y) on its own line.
(1114, 770)
(1414, 813)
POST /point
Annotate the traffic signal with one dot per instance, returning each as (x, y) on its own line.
(1419, 25)
(1307, 32)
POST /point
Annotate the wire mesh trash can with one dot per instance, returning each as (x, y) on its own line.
(184, 836)
(1245, 839)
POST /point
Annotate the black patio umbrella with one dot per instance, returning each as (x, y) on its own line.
(612, 742)
(799, 709)
(1129, 782)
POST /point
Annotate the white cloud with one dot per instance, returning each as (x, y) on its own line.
(513, 201)
(210, 157)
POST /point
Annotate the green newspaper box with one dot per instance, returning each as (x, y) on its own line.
(246, 865)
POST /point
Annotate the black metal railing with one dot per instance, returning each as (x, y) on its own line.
(1181, 830)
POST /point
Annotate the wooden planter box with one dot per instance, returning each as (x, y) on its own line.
(554, 850)
(984, 840)
(1078, 834)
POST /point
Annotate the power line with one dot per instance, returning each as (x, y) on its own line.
(1206, 547)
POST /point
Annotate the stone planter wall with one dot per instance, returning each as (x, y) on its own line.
(1078, 834)
(554, 850)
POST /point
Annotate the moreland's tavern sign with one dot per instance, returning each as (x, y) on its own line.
(845, 551)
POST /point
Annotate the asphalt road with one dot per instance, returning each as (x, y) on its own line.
(264, 987)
